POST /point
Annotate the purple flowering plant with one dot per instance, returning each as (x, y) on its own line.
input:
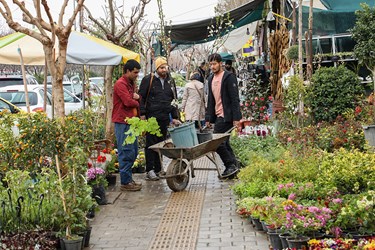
(303, 220)
(96, 176)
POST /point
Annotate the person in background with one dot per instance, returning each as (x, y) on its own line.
(157, 94)
(202, 72)
(223, 109)
(193, 100)
(229, 67)
(126, 105)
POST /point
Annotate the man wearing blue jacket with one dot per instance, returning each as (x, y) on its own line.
(223, 109)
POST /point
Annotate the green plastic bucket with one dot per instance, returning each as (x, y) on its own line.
(184, 136)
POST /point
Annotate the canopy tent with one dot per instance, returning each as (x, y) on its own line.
(238, 37)
(197, 32)
(337, 17)
(226, 56)
(82, 49)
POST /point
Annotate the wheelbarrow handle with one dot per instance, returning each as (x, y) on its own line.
(230, 130)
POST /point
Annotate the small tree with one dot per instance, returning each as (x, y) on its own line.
(332, 92)
(364, 35)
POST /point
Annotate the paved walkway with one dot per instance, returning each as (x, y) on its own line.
(201, 217)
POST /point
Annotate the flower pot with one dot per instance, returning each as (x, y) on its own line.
(275, 240)
(369, 132)
(283, 238)
(71, 244)
(299, 242)
(86, 242)
(98, 193)
(141, 169)
(316, 235)
(277, 107)
(258, 224)
(111, 179)
(264, 226)
(91, 213)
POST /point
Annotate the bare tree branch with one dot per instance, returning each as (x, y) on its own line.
(112, 16)
(62, 11)
(31, 19)
(105, 30)
(37, 8)
(52, 25)
(70, 23)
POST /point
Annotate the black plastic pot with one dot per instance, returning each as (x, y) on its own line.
(111, 179)
(205, 135)
(98, 193)
(275, 241)
(71, 244)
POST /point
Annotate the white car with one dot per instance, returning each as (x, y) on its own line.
(99, 81)
(16, 95)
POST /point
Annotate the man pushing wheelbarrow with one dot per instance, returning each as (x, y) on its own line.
(223, 109)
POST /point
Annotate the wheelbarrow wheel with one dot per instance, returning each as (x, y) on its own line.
(180, 182)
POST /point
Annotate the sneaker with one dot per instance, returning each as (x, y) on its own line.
(137, 183)
(229, 171)
(151, 176)
(131, 186)
(161, 173)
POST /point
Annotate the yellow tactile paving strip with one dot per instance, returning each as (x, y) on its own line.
(179, 225)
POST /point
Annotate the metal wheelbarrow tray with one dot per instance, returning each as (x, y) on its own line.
(178, 171)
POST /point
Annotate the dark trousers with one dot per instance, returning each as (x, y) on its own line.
(152, 157)
(225, 151)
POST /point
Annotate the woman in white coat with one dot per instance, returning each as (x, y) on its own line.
(193, 100)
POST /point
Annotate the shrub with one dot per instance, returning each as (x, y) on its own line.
(332, 91)
(351, 172)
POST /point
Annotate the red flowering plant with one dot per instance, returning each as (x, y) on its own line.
(254, 101)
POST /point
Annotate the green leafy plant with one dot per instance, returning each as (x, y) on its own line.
(332, 91)
(294, 95)
(292, 53)
(358, 213)
(139, 127)
(363, 34)
(351, 172)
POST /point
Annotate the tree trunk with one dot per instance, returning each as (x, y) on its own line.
(109, 126)
(300, 59)
(57, 72)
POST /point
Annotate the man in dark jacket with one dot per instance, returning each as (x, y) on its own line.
(126, 105)
(223, 109)
(157, 99)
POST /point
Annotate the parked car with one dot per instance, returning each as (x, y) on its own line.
(9, 80)
(16, 95)
(5, 105)
(99, 81)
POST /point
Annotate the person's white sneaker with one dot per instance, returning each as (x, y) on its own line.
(152, 176)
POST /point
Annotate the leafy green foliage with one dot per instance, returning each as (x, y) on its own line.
(294, 94)
(138, 127)
(363, 33)
(332, 91)
(292, 53)
(349, 171)
(179, 79)
(267, 147)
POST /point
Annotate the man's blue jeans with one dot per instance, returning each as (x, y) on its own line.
(126, 153)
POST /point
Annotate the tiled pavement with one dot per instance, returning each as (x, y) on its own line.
(132, 221)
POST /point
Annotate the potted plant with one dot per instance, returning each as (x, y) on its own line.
(302, 221)
(96, 179)
(111, 168)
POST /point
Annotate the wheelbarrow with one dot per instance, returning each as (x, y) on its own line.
(177, 174)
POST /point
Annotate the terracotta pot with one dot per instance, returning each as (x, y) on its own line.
(277, 107)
